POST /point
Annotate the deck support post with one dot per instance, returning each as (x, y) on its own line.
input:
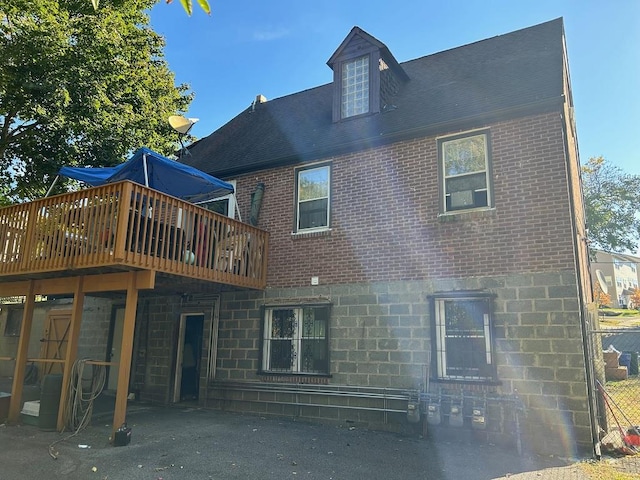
(126, 351)
(21, 357)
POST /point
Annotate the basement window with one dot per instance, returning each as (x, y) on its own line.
(296, 340)
(462, 336)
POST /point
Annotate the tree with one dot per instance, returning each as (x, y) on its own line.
(80, 86)
(186, 4)
(602, 299)
(611, 199)
(635, 298)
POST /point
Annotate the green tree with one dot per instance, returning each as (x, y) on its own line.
(611, 201)
(79, 86)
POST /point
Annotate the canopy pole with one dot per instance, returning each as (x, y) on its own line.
(146, 172)
(55, 180)
(237, 209)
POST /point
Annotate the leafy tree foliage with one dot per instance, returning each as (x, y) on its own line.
(635, 298)
(612, 199)
(79, 86)
(602, 299)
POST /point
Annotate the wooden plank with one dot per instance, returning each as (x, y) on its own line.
(126, 351)
(72, 350)
(21, 357)
(145, 279)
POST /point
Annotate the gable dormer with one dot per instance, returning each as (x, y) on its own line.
(365, 76)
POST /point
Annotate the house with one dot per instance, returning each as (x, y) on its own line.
(426, 264)
(616, 274)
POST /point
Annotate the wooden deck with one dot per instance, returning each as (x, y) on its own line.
(126, 227)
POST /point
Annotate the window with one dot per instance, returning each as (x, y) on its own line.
(355, 87)
(224, 205)
(295, 340)
(14, 322)
(464, 163)
(463, 337)
(312, 191)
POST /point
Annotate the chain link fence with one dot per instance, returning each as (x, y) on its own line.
(615, 343)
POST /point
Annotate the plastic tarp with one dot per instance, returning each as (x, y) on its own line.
(151, 169)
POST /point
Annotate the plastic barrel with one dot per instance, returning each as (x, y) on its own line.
(625, 360)
(633, 362)
(50, 402)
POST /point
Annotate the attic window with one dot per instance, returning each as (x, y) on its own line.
(355, 87)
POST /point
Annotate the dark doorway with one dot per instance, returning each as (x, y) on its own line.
(190, 356)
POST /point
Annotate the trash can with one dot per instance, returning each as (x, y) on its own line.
(633, 362)
(625, 360)
(50, 402)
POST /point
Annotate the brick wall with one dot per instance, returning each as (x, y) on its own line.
(385, 223)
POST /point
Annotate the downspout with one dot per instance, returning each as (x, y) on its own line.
(583, 314)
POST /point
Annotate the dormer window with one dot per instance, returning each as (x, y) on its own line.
(365, 76)
(355, 87)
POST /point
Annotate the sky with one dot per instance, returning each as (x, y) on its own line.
(278, 47)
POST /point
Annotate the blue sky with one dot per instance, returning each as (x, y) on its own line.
(279, 47)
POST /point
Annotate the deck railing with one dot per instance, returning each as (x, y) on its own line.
(128, 225)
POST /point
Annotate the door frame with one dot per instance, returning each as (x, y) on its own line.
(210, 328)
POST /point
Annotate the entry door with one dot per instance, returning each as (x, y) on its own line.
(189, 357)
(115, 342)
(54, 341)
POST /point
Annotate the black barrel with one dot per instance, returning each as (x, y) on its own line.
(50, 402)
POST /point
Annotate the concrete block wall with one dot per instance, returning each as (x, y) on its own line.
(380, 336)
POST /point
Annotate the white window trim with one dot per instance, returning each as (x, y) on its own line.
(231, 197)
(441, 336)
(440, 141)
(296, 340)
(322, 228)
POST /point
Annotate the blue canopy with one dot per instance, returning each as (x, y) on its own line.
(151, 169)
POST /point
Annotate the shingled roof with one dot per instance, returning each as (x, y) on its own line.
(495, 78)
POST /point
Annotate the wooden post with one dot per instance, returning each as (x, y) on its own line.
(72, 348)
(124, 369)
(21, 357)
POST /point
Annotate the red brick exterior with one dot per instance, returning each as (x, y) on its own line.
(385, 222)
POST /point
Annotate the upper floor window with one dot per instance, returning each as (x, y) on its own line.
(295, 340)
(465, 171)
(313, 198)
(225, 205)
(355, 87)
(463, 343)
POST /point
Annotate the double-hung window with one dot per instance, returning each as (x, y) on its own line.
(465, 171)
(355, 87)
(462, 331)
(296, 340)
(313, 187)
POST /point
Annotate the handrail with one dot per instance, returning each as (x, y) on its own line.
(126, 224)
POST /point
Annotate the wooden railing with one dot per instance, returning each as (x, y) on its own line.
(128, 225)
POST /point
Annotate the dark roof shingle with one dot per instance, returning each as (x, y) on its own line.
(510, 71)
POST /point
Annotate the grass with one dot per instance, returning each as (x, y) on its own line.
(625, 394)
(603, 470)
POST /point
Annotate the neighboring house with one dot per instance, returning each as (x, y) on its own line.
(617, 275)
(426, 256)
